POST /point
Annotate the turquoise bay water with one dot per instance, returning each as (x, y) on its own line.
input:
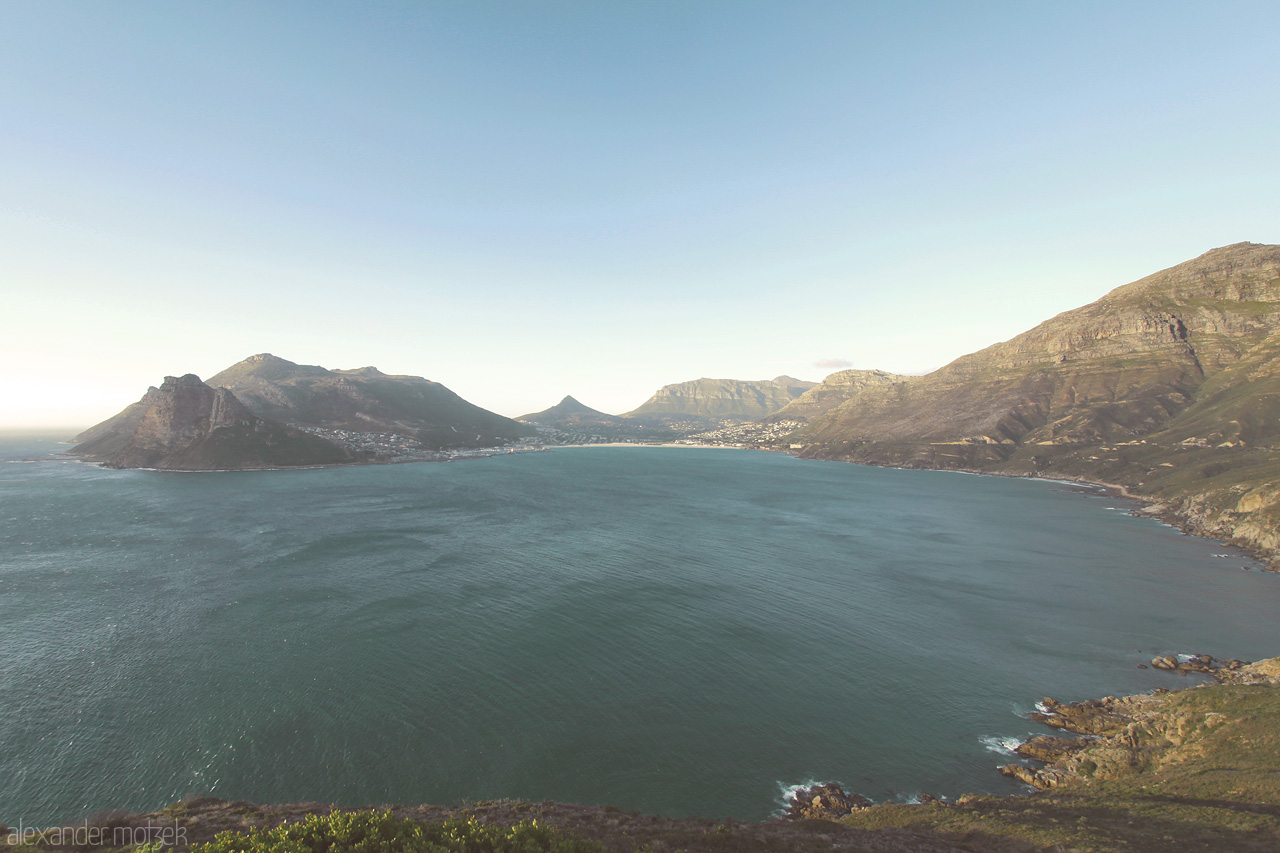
(668, 630)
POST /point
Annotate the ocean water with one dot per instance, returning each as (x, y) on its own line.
(680, 631)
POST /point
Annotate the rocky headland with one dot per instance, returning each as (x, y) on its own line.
(187, 425)
(267, 412)
(1118, 737)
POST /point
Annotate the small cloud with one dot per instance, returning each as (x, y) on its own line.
(832, 363)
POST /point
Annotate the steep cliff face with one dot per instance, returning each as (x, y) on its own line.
(364, 400)
(724, 398)
(1167, 386)
(185, 425)
(833, 391)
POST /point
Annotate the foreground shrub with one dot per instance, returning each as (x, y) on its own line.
(374, 832)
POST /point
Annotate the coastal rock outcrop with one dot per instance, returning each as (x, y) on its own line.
(1205, 664)
(186, 425)
(824, 802)
(1122, 736)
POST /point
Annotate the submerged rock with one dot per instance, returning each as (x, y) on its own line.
(1222, 670)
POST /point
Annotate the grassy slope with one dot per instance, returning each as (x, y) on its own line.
(1217, 791)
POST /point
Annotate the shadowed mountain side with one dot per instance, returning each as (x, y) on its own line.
(364, 400)
(724, 398)
(1166, 386)
(185, 425)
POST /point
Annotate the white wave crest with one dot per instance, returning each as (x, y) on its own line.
(786, 793)
(1001, 745)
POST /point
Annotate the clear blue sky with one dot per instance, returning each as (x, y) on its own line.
(524, 200)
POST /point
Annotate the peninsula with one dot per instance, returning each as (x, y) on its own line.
(267, 412)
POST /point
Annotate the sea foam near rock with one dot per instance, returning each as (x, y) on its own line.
(1001, 745)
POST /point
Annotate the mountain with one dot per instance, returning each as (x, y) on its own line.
(364, 400)
(570, 413)
(185, 425)
(724, 398)
(1168, 386)
(831, 392)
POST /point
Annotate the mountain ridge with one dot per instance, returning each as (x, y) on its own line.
(719, 398)
(364, 400)
(1164, 386)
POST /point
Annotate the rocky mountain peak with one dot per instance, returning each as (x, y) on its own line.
(187, 380)
(188, 425)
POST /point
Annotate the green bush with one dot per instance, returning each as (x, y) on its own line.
(383, 832)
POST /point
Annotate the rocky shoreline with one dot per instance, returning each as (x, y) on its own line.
(1117, 774)
(1193, 515)
(1120, 736)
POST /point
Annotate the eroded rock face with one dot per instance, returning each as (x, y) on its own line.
(824, 802)
(186, 425)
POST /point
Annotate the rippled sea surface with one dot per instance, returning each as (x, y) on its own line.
(681, 631)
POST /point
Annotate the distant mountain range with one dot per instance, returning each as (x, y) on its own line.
(364, 400)
(831, 392)
(724, 398)
(675, 409)
(254, 415)
(1169, 386)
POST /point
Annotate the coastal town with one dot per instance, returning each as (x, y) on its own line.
(724, 432)
(392, 447)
